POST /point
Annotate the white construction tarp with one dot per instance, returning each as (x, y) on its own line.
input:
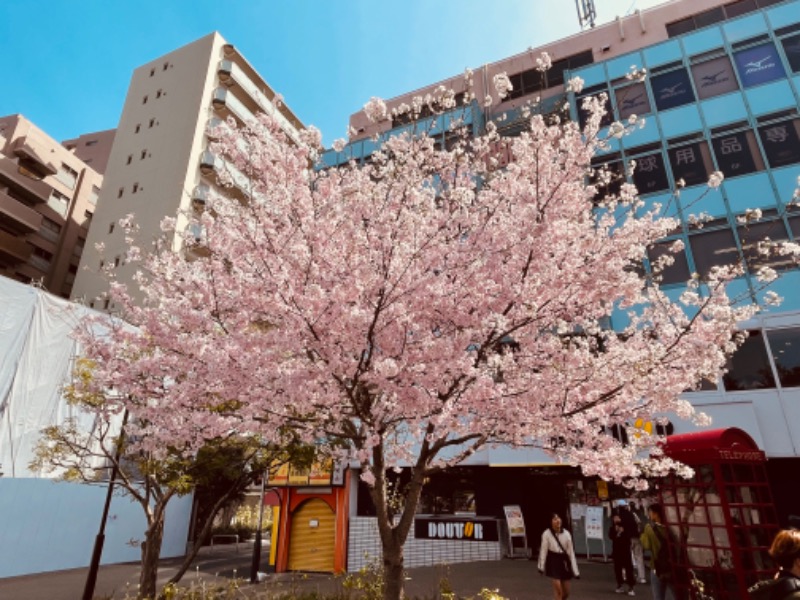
(37, 353)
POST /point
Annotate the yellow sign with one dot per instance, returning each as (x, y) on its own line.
(602, 489)
(318, 474)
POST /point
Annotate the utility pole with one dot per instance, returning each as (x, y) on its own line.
(257, 544)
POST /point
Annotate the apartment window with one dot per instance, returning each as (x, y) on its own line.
(785, 346)
(759, 64)
(87, 214)
(94, 195)
(152, 71)
(632, 100)
(111, 228)
(735, 9)
(749, 368)
(144, 100)
(555, 74)
(67, 175)
(50, 230)
(77, 249)
(143, 155)
(736, 153)
(672, 89)
(714, 77)
(135, 188)
(690, 162)
(781, 142)
(58, 202)
(152, 122)
(116, 261)
(525, 83)
(791, 47)
(166, 66)
(120, 192)
(130, 158)
(159, 93)
(650, 174)
(91, 142)
(41, 259)
(678, 271)
(137, 128)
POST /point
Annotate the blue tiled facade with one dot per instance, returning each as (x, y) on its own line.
(722, 98)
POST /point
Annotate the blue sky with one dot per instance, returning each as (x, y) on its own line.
(68, 64)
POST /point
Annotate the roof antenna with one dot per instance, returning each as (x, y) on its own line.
(586, 13)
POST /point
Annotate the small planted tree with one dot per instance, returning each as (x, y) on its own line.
(415, 308)
(223, 467)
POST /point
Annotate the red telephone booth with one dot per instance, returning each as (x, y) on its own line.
(722, 521)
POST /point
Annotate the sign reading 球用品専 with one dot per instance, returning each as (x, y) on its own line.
(474, 530)
(759, 65)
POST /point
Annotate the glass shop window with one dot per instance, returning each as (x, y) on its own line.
(672, 89)
(748, 367)
(678, 271)
(785, 346)
(583, 115)
(754, 239)
(632, 100)
(737, 153)
(781, 142)
(608, 176)
(714, 77)
(713, 249)
(650, 173)
(791, 47)
(759, 64)
(691, 162)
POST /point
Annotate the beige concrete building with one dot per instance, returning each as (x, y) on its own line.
(47, 199)
(93, 149)
(160, 164)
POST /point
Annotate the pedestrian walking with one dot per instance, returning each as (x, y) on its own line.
(557, 558)
(620, 535)
(785, 551)
(654, 539)
(636, 542)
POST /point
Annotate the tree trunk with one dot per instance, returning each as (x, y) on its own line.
(393, 561)
(394, 535)
(204, 531)
(151, 552)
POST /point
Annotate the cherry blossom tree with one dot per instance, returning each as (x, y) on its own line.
(413, 309)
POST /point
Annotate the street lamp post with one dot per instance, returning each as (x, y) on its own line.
(91, 577)
(257, 545)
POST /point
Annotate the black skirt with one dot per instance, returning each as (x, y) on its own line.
(555, 567)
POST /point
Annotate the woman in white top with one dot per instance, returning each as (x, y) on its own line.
(557, 558)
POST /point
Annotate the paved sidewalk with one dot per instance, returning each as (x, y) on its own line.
(515, 579)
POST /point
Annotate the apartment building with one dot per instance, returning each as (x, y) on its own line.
(159, 163)
(48, 196)
(722, 93)
(93, 148)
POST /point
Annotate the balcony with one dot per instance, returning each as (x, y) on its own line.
(14, 250)
(229, 73)
(33, 157)
(14, 174)
(18, 216)
(224, 99)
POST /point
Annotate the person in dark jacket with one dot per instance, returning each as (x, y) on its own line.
(785, 551)
(620, 534)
